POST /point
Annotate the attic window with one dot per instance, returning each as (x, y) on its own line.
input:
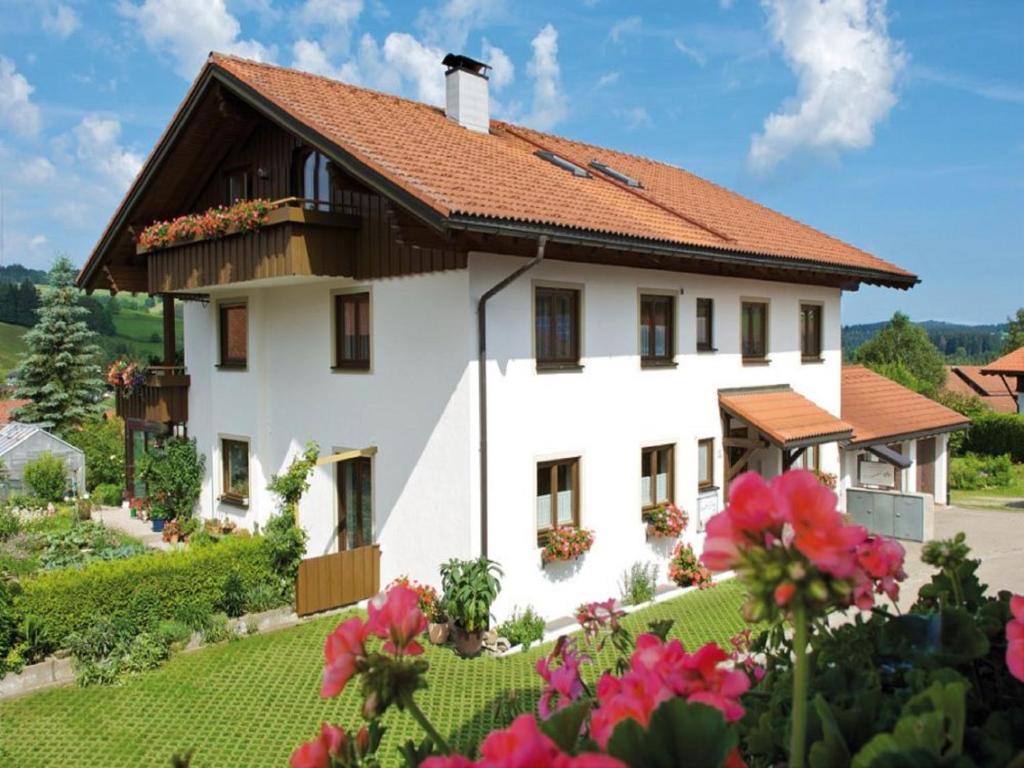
(607, 170)
(562, 163)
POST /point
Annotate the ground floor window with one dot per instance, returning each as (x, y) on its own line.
(705, 463)
(355, 503)
(557, 494)
(656, 476)
(234, 456)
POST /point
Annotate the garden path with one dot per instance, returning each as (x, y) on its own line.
(120, 520)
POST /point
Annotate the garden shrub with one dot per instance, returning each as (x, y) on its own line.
(285, 546)
(69, 600)
(194, 613)
(10, 524)
(639, 583)
(973, 472)
(994, 434)
(522, 628)
(173, 633)
(217, 629)
(173, 473)
(232, 599)
(144, 651)
(47, 477)
(102, 442)
(108, 495)
(263, 597)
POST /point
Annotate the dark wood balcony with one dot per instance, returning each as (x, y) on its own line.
(163, 398)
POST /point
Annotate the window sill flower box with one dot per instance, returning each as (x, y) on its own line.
(566, 543)
(666, 521)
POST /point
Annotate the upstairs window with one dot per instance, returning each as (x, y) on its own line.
(352, 331)
(656, 477)
(754, 325)
(239, 184)
(312, 179)
(705, 325)
(234, 335)
(557, 327)
(558, 499)
(657, 318)
(810, 332)
(234, 456)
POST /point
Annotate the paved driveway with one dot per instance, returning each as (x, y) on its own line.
(995, 537)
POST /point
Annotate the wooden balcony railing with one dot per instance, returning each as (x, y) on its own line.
(163, 398)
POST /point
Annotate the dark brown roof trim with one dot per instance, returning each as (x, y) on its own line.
(907, 435)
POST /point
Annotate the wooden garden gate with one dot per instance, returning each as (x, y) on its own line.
(341, 578)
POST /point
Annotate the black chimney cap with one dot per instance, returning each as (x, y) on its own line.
(457, 61)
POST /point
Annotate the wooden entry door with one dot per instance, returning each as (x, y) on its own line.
(926, 466)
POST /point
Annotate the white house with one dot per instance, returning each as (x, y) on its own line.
(490, 331)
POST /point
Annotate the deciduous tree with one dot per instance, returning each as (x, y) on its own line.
(905, 347)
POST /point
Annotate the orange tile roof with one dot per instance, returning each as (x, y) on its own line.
(497, 176)
(783, 416)
(989, 388)
(7, 407)
(879, 409)
(1011, 364)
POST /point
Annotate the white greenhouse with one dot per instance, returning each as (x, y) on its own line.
(20, 444)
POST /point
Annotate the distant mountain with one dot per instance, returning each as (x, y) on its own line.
(15, 273)
(959, 343)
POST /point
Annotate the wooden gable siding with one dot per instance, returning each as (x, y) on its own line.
(267, 147)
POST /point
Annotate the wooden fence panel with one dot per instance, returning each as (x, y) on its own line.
(338, 579)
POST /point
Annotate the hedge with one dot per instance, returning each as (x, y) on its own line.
(69, 600)
(994, 434)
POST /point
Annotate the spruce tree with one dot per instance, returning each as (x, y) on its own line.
(60, 372)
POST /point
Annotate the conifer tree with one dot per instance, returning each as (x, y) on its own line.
(60, 372)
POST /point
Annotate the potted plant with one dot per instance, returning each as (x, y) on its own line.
(666, 521)
(157, 520)
(172, 531)
(566, 543)
(438, 626)
(686, 569)
(228, 526)
(470, 588)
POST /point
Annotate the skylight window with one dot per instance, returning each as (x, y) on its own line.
(562, 163)
(607, 170)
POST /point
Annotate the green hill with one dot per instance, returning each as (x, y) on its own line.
(11, 347)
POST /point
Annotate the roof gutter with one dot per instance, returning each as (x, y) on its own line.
(481, 367)
(710, 255)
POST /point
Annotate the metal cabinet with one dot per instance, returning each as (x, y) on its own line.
(898, 515)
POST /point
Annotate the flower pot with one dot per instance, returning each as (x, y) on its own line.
(438, 632)
(132, 513)
(158, 524)
(467, 643)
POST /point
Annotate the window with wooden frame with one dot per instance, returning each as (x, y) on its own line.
(754, 330)
(657, 329)
(657, 477)
(558, 495)
(234, 334)
(311, 179)
(706, 463)
(239, 184)
(705, 325)
(355, 503)
(557, 327)
(234, 457)
(352, 331)
(810, 332)
(809, 459)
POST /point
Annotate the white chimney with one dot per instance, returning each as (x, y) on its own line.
(466, 99)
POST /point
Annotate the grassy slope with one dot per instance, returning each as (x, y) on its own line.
(251, 702)
(11, 347)
(995, 498)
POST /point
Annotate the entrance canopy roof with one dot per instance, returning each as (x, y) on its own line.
(784, 417)
(1011, 364)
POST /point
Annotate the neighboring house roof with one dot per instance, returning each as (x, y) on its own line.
(786, 418)
(1011, 364)
(880, 410)
(989, 388)
(7, 408)
(463, 179)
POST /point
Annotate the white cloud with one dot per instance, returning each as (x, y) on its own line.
(635, 117)
(17, 112)
(624, 27)
(699, 58)
(309, 56)
(449, 25)
(36, 170)
(336, 18)
(725, 5)
(418, 63)
(994, 91)
(61, 21)
(846, 65)
(189, 29)
(609, 78)
(549, 102)
(97, 147)
(503, 71)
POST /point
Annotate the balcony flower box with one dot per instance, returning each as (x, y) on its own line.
(566, 543)
(666, 521)
(243, 216)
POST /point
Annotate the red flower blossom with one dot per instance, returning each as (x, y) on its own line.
(784, 593)
(1015, 638)
(397, 618)
(564, 685)
(343, 649)
(318, 752)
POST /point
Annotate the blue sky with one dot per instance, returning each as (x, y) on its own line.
(898, 127)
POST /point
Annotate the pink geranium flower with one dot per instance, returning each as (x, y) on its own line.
(318, 752)
(343, 649)
(396, 617)
(1015, 638)
(563, 682)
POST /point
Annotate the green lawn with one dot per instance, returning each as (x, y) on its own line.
(11, 347)
(137, 327)
(1009, 498)
(251, 702)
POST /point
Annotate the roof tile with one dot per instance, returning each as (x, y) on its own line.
(783, 415)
